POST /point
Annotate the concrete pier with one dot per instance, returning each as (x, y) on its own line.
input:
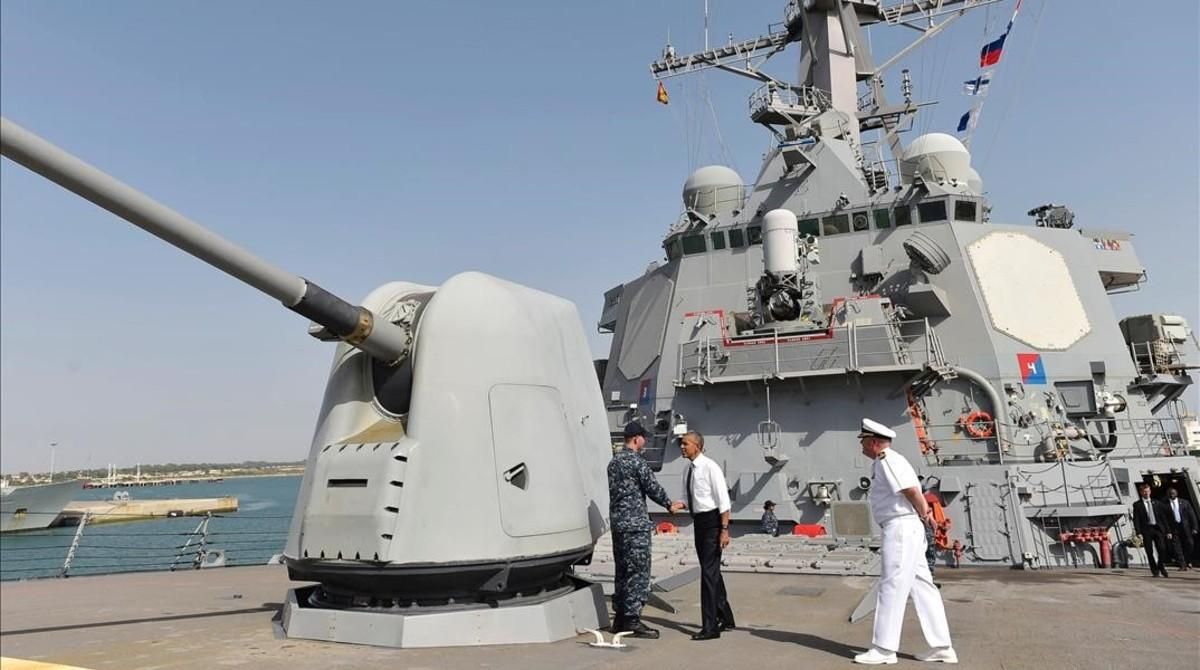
(115, 511)
(1000, 619)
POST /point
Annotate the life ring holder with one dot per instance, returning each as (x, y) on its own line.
(978, 424)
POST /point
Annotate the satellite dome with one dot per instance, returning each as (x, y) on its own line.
(713, 189)
(937, 158)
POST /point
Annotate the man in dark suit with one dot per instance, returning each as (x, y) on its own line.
(1152, 520)
(1184, 525)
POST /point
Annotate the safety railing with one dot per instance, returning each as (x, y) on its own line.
(974, 439)
(170, 544)
(1158, 357)
(806, 100)
(907, 345)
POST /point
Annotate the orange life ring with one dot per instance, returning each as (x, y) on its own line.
(978, 424)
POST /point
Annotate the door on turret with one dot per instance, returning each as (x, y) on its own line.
(537, 474)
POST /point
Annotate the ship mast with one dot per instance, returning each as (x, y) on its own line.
(835, 57)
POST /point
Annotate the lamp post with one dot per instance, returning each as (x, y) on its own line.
(52, 447)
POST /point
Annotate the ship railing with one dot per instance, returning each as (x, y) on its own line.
(879, 172)
(1158, 357)
(1053, 484)
(806, 100)
(887, 347)
(94, 547)
(957, 443)
(866, 101)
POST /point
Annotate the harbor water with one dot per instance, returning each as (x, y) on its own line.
(250, 536)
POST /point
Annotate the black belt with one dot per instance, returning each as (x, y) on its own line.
(707, 519)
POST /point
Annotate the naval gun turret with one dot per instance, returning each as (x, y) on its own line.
(457, 470)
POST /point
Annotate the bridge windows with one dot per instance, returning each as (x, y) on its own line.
(674, 249)
(932, 211)
(965, 210)
(737, 238)
(717, 237)
(694, 244)
(835, 224)
(754, 234)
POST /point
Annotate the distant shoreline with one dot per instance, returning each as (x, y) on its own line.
(295, 470)
(267, 474)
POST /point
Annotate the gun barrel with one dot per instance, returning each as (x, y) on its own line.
(351, 323)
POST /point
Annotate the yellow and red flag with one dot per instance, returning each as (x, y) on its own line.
(662, 94)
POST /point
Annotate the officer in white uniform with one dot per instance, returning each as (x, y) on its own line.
(900, 510)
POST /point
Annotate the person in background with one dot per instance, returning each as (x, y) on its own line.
(930, 545)
(1184, 523)
(770, 525)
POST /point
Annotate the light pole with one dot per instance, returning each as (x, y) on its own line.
(52, 446)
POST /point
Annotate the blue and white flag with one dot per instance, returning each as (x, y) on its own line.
(965, 121)
(978, 85)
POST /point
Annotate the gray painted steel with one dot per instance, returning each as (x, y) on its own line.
(558, 618)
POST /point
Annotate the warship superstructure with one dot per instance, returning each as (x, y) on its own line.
(843, 283)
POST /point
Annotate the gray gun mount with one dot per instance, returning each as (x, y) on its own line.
(453, 477)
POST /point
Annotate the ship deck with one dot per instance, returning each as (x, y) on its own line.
(999, 619)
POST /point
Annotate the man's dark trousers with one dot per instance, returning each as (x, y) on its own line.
(714, 604)
(1155, 542)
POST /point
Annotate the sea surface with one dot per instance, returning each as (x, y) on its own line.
(252, 535)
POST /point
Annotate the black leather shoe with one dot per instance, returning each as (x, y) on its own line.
(618, 625)
(641, 630)
(707, 635)
(727, 625)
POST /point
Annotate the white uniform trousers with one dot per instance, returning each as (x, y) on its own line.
(904, 571)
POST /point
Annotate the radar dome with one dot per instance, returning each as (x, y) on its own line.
(937, 158)
(974, 182)
(713, 189)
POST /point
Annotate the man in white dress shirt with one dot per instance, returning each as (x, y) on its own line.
(707, 499)
(900, 510)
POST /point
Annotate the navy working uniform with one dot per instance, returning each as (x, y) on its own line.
(770, 524)
(630, 481)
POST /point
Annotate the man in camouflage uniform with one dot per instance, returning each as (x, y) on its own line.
(630, 480)
(930, 544)
(770, 524)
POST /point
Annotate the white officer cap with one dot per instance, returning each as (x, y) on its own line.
(875, 429)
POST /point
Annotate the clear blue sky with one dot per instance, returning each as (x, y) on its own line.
(357, 143)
